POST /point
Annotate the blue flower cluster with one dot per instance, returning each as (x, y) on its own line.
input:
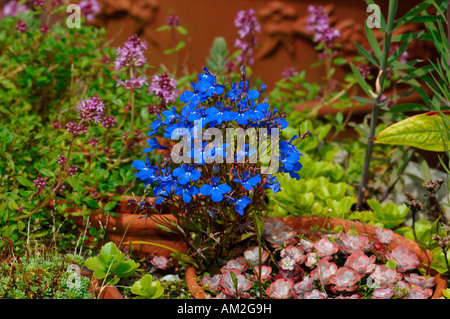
(220, 106)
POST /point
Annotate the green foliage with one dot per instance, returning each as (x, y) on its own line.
(387, 216)
(147, 288)
(217, 55)
(40, 276)
(111, 264)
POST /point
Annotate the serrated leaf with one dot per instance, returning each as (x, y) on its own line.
(421, 131)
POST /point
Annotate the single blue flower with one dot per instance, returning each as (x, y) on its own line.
(161, 194)
(216, 152)
(186, 192)
(193, 98)
(153, 144)
(186, 174)
(146, 171)
(272, 184)
(239, 204)
(245, 181)
(217, 115)
(215, 190)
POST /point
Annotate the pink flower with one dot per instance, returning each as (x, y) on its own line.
(420, 281)
(326, 248)
(345, 279)
(287, 263)
(230, 288)
(281, 289)
(132, 54)
(361, 262)
(384, 236)
(132, 83)
(252, 255)
(324, 271)
(91, 109)
(351, 243)
(164, 87)
(403, 258)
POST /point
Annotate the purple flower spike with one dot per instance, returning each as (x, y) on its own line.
(164, 87)
(91, 109)
(131, 55)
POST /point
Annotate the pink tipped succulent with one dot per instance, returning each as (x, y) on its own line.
(265, 273)
(211, 283)
(418, 293)
(383, 293)
(278, 233)
(315, 294)
(326, 248)
(281, 289)
(324, 271)
(384, 236)
(160, 262)
(252, 255)
(403, 258)
(351, 243)
(234, 283)
(306, 245)
(239, 263)
(293, 274)
(360, 262)
(311, 259)
(345, 279)
(293, 252)
(383, 275)
(354, 296)
(420, 281)
(304, 286)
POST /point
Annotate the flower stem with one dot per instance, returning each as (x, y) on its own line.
(377, 101)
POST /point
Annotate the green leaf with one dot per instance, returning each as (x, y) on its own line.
(46, 172)
(391, 264)
(110, 206)
(421, 131)
(25, 181)
(182, 30)
(147, 288)
(91, 203)
(180, 45)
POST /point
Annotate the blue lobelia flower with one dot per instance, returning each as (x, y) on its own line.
(186, 174)
(186, 192)
(192, 98)
(146, 171)
(245, 181)
(161, 194)
(207, 85)
(217, 115)
(272, 184)
(239, 204)
(215, 190)
(153, 144)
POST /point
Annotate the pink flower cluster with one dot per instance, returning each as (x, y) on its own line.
(318, 23)
(248, 26)
(164, 87)
(131, 55)
(333, 267)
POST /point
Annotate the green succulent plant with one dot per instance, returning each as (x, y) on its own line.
(147, 288)
(111, 264)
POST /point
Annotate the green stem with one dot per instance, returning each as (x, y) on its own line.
(376, 105)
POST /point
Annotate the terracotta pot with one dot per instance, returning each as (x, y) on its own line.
(303, 225)
(131, 225)
(108, 292)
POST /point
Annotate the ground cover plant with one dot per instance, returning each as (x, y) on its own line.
(225, 153)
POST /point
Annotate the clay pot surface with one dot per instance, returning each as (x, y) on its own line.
(132, 225)
(108, 292)
(303, 225)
